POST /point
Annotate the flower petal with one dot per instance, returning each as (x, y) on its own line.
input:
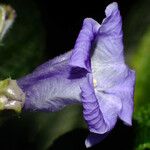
(52, 88)
(92, 111)
(108, 45)
(81, 53)
(45, 70)
(101, 109)
(51, 94)
(125, 91)
(117, 82)
(109, 69)
(127, 97)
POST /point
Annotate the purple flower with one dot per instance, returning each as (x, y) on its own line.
(94, 74)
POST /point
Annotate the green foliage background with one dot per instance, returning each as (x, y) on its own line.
(137, 41)
(25, 44)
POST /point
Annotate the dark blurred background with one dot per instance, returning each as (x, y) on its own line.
(45, 29)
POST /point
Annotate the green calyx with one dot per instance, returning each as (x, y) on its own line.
(3, 85)
(11, 95)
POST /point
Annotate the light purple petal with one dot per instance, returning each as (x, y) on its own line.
(109, 69)
(112, 94)
(51, 94)
(101, 109)
(127, 97)
(91, 108)
(53, 87)
(81, 53)
(55, 61)
(108, 47)
(125, 90)
(45, 70)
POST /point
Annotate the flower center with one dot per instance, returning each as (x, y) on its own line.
(94, 82)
